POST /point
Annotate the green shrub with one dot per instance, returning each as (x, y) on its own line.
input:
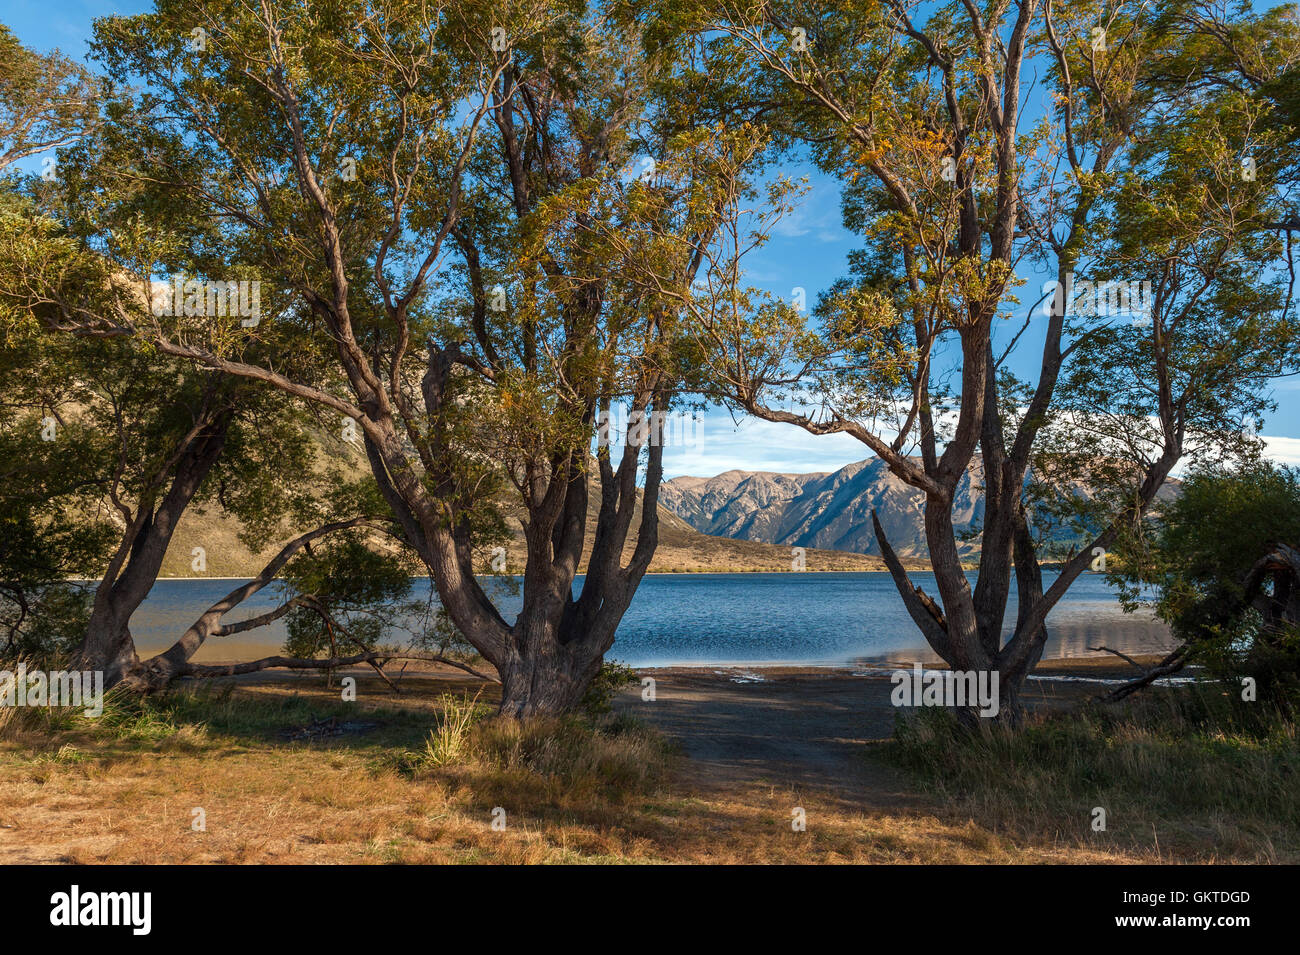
(599, 698)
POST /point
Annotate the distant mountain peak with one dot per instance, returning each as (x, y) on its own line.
(824, 509)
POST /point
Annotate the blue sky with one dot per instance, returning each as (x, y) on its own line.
(809, 249)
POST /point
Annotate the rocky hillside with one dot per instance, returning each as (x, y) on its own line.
(828, 510)
(817, 510)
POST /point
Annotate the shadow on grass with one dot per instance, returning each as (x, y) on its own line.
(275, 716)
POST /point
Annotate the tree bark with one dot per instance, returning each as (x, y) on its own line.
(108, 645)
(544, 677)
(158, 672)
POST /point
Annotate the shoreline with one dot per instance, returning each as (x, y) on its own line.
(649, 573)
(1062, 670)
(1100, 669)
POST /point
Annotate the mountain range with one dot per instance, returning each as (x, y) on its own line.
(830, 510)
(736, 521)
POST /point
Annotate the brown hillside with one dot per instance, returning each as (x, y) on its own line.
(682, 549)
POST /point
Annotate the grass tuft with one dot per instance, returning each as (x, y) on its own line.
(561, 760)
(450, 742)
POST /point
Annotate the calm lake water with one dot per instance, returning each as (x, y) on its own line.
(705, 619)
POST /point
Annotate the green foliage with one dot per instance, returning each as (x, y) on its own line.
(1220, 524)
(1196, 556)
(94, 428)
(55, 465)
(599, 698)
(55, 623)
(352, 596)
(46, 100)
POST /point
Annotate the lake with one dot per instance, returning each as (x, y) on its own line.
(822, 619)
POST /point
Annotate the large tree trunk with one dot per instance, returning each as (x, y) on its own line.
(558, 644)
(545, 677)
(108, 645)
(548, 658)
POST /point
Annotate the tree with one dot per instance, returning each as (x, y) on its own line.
(1129, 178)
(46, 100)
(341, 153)
(1222, 566)
(45, 536)
(114, 445)
(1232, 48)
(346, 593)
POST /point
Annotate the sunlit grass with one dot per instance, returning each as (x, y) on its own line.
(1182, 770)
(421, 778)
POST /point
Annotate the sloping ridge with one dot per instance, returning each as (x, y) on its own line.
(829, 510)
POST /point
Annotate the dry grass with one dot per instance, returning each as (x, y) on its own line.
(1180, 774)
(124, 790)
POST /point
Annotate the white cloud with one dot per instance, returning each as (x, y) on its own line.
(1282, 450)
(751, 444)
(816, 215)
(755, 445)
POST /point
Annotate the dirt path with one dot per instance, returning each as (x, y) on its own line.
(808, 729)
(802, 729)
(786, 729)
